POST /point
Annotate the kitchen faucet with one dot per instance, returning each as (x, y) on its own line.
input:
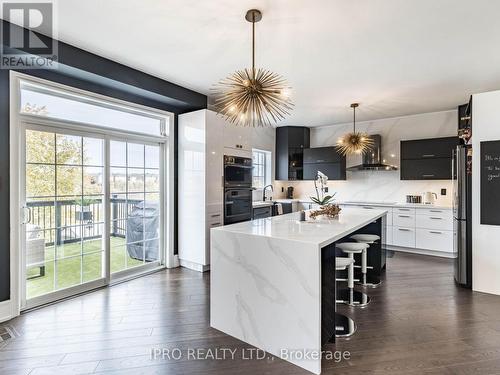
(264, 191)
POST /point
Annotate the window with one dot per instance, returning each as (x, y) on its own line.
(261, 168)
(42, 101)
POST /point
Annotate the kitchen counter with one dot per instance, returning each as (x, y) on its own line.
(319, 232)
(395, 204)
(372, 203)
(266, 284)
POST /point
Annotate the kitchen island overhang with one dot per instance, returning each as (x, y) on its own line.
(273, 281)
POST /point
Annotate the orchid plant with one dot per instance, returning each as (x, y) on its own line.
(320, 185)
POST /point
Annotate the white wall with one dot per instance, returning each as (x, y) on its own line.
(485, 238)
(383, 185)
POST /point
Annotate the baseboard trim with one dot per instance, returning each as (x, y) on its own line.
(194, 266)
(421, 252)
(5, 311)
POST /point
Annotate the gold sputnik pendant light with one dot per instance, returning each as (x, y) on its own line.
(253, 97)
(355, 142)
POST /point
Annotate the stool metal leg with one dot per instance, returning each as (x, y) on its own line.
(367, 280)
(344, 326)
(352, 297)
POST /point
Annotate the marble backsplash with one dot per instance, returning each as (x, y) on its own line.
(370, 186)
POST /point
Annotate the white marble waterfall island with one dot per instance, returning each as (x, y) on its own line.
(272, 285)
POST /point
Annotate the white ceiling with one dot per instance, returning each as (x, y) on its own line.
(395, 57)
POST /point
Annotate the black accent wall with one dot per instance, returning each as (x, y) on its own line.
(87, 71)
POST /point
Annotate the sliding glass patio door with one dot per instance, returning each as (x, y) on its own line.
(92, 210)
(135, 191)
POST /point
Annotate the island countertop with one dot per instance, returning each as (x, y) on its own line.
(269, 284)
(321, 232)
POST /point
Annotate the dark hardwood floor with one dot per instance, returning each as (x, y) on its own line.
(418, 322)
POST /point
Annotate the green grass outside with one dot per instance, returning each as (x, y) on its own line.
(72, 271)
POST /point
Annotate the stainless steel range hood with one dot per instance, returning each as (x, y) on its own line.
(372, 160)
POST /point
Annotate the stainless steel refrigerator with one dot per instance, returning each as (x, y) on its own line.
(462, 214)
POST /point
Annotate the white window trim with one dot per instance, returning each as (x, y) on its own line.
(268, 166)
(11, 308)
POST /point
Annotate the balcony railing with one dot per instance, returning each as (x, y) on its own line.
(67, 221)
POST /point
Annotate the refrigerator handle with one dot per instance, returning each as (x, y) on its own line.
(454, 177)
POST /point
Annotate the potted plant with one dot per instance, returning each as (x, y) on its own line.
(321, 198)
(324, 201)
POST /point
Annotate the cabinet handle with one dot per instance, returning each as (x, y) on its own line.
(403, 209)
(368, 208)
(214, 224)
(436, 211)
(436, 218)
(215, 215)
(403, 230)
(404, 216)
(428, 175)
(434, 232)
(428, 155)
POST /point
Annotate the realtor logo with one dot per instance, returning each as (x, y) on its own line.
(28, 35)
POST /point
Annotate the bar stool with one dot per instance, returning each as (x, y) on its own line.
(350, 296)
(368, 280)
(344, 326)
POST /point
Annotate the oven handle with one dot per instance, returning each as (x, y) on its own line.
(239, 166)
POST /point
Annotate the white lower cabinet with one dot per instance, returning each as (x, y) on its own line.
(424, 229)
(436, 240)
(434, 222)
(404, 237)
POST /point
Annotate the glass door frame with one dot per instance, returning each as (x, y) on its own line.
(17, 265)
(145, 268)
(25, 126)
(108, 278)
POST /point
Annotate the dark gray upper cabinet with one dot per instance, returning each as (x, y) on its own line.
(427, 159)
(322, 155)
(324, 159)
(428, 148)
(290, 144)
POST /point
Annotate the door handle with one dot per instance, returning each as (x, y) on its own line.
(29, 215)
(428, 175)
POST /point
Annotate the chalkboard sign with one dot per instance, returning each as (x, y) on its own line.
(490, 183)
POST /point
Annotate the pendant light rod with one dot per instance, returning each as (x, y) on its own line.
(253, 44)
(354, 106)
(253, 16)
